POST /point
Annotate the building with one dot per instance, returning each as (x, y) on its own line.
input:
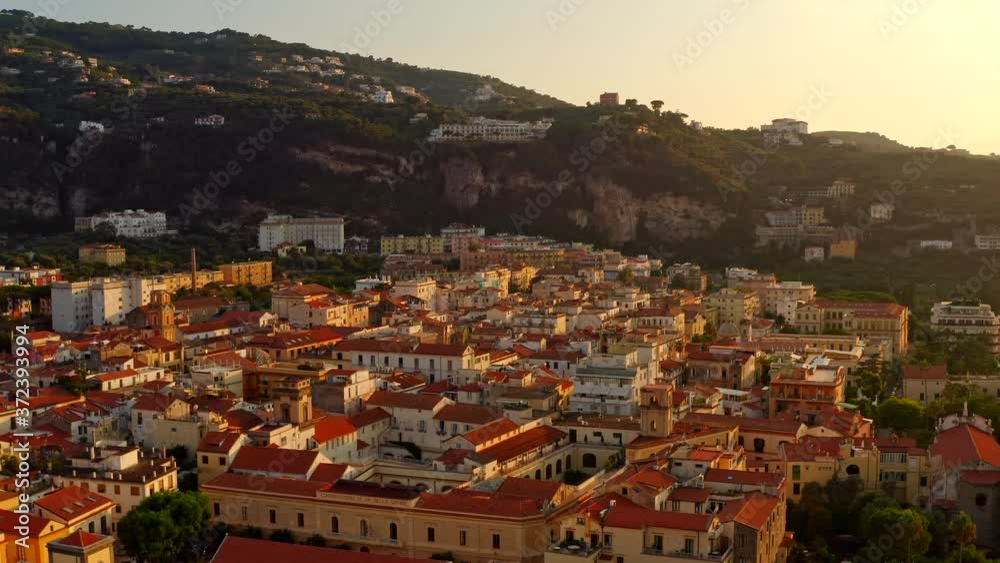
(988, 242)
(423, 244)
(29, 276)
(127, 224)
(735, 305)
(881, 212)
(782, 299)
(383, 97)
(888, 321)
(610, 99)
(804, 215)
(806, 388)
(610, 383)
(214, 120)
(257, 274)
(786, 125)
(481, 129)
(108, 254)
(326, 233)
(846, 249)
(965, 318)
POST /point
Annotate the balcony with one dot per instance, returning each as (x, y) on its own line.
(364, 539)
(576, 549)
(720, 557)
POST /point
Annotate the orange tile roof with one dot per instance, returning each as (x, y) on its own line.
(490, 431)
(274, 460)
(965, 444)
(404, 400)
(80, 538)
(481, 503)
(753, 510)
(524, 442)
(70, 503)
(334, 426)
(219, 442)
(370, 416)
(241, 550)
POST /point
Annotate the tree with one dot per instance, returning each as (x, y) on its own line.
(962, 531)
(316, 539)
(165, 527)
(283, 536)
(905, 416)
(902, 535)
(657, 105)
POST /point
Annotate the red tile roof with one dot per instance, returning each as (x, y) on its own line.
(523, 443)
(490, 431)
(219, 442)
(627, 514)
(266, 485)
(334, 426)
(153, 402)
(370, 416)
(404, 400)
(753, 511)
(241, 550)
(752, 478)
(468, 414)
(965, 444)
(69, 503)
(530, 488)
(80, 538)
(938, 372)
(274, 460)
(328, 472)
(481, 503)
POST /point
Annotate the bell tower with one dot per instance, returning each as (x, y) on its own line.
(293, 400)
(656, 409)
(161, 315)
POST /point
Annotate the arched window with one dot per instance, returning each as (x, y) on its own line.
(758, 445)
(589, 460)
(538, 474)
(363, 528)
(980, 499)
(558, 466)
(335, 525)
(548, 471)
(853, 470)
(393, 531)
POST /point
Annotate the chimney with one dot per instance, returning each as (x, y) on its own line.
(194, 270)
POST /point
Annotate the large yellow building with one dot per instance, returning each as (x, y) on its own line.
(109, 254)
(424, 244)
(247, 273)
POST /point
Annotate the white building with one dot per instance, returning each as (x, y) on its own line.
(881, 212)
(937, 244)
(491, 130)
(77, 306)
(383, 97)
(784, 298)
(128, 223)
(786, 125)
(326, 233)
(988, 242)
(214, 120)
(967, 317)
(610, 383)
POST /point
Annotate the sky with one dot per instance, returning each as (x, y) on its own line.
(923, 72)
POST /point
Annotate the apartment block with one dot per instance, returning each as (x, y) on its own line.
(326, 233)
(257, 274)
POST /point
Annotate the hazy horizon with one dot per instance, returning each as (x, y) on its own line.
(922, 72)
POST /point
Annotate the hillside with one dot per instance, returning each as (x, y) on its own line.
(627, 177)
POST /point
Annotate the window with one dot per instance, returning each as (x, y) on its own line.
(272, 516)
(496, 541)
(204, 459)
(430, 535)
(463, 537)
(980, 499)
(923, 481)
(118, 489)
(363, 528)
(589, 460)
(796, 488)
(301, 520)
(222, 460)
(216, 509)
(243, 513)
(688, 545)
(334, 525)
(796, 472)
(393, 531)
(607, 540)
(134, 491)
(101, 487)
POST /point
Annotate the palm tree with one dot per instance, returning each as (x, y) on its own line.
(657, 105)
(963, 532)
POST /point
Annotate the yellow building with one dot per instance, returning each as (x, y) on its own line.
(82, 547)
(247, 273)
(109, 254)
(425, 244)
(734, 305)
(477, 527)
(30, 548)
(847, 249)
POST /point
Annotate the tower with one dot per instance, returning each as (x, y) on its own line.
(293, 399)
(194, 270)
(656, 409)
(161, 315)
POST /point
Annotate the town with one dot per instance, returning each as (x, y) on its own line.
(542, 401)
